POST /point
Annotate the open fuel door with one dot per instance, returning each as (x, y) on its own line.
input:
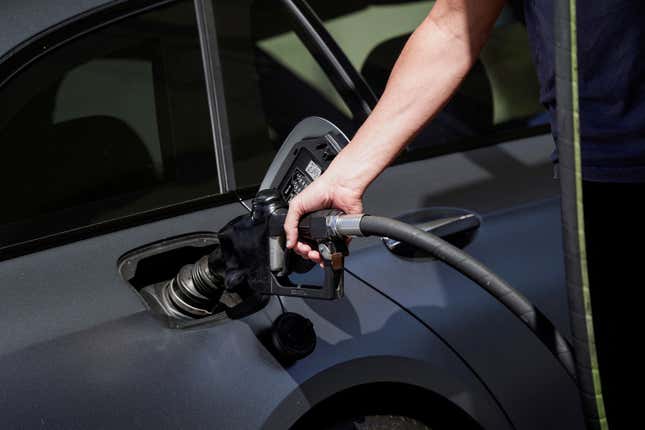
(303, 156)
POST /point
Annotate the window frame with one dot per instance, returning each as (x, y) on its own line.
(347, 81)
(215, 94)
(34, 48)
(355, 91)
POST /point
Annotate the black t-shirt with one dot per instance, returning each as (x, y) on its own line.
(611, 87)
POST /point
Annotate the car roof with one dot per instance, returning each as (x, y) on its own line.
(21, 20)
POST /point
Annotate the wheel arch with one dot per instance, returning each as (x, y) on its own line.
(387, 398)
(430, 392)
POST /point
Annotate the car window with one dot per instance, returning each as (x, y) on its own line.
(271, 82)
(110, 124)
(500, 93)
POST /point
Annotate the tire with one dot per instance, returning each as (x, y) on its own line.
(379, 422)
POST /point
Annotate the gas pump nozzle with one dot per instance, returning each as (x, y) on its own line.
(254, 249)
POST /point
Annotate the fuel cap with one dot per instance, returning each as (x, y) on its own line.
(293, 337)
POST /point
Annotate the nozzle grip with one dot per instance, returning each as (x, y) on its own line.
(313, 226)
(312, 229)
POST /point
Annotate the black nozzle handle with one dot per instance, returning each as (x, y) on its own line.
(313, 227)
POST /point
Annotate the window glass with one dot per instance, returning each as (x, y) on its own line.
(271, 82)
(501, 91)
(111, 124)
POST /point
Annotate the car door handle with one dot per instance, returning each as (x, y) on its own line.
(457, 226)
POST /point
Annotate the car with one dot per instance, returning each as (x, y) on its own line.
(133, 131)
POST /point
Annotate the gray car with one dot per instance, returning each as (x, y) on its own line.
(132, 131)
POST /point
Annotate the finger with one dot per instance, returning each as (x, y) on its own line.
(314, 256)
(302, 249)
(291, 222)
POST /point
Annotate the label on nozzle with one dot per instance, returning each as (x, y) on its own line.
(313, 170)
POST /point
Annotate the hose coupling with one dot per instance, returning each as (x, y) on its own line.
(345, 225)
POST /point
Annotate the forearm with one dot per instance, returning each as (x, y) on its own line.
(433, 63)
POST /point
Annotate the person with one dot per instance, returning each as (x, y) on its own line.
(611, 92)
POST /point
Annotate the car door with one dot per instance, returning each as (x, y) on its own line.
(488, 152)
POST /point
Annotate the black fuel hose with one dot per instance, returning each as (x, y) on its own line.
(479, 273)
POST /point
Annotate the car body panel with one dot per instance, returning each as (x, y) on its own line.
(522, 245)
(520, 239)
(22, 20)
(87, 353)
(73, 287)
(483, 180)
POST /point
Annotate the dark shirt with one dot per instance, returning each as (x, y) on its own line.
(611, 79)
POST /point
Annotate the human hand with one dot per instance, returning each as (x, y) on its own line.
(328, 191)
